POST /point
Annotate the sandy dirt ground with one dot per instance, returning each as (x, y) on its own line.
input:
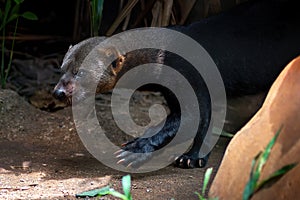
(42, 157)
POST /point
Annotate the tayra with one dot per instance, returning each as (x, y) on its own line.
(250, 45)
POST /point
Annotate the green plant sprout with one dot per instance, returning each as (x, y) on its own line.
(9, 14)
(252, 186)
(256, 167)
(207, 176)
(96, 16)
(216, 131)
(126, 184)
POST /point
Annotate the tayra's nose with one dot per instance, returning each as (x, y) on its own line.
(59, 94)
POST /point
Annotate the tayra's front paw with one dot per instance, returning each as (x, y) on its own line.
(130, 155)
(191, 161)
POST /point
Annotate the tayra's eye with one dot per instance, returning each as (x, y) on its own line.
(80, 73)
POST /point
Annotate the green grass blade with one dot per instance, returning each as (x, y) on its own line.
(118, 195)
(7, 8)
(126, 183)
(277, 174)
(249, 188)
(93, 193)
(2, 59)
(256, 167)
(5, 14)
(99, 9)
(217, 131)
(206, 179)
(1, 16)
(18, 1)
(11, 52)
(267, 151)
(96, 16)
(199, 196)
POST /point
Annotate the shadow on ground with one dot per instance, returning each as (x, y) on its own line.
(42, 157)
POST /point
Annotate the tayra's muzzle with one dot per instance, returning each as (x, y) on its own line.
(59, 94)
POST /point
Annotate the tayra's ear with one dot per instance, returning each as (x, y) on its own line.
(117, 65)
(113, 53)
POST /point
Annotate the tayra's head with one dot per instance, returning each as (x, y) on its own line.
(74, 74)
(78, 73)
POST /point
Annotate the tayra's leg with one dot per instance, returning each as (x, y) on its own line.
(148, 144)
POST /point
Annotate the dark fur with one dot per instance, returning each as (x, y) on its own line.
(250, 44)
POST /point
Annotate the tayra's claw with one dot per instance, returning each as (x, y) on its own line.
(119, 156)
(123, 154)
(121, 161)
(129, 165)
(124, 144)
(118, 152)
(189, 162)
(201, 163)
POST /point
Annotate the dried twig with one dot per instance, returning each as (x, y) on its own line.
(143, 7)
(168, 4)
(125, 25)
(126, 10)
(155, 13)
(34, 37)
(185, 9)
(148, 6)
(121, 5)
(215, 6)
(173, 19)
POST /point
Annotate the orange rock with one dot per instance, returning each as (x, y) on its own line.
(281, 107)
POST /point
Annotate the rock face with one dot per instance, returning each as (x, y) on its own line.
(281, 107)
